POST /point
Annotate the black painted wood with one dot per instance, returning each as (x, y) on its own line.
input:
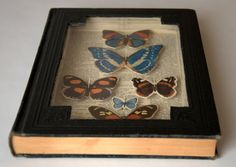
(37, 117)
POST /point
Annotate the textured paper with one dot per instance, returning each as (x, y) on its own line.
(78, 61)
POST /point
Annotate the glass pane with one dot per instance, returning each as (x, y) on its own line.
(133, 71)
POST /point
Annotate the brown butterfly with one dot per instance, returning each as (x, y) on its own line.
(142, 112)
(76, 88)
(165, 88)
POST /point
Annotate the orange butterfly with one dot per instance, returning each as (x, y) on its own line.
(76, 88)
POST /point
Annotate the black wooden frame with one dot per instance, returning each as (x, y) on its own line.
(37, 117)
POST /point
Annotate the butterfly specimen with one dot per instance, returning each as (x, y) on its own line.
(120, 104)
(142, 61)
(76, 88)
(142, 112)
(136, 39)
(165, 88)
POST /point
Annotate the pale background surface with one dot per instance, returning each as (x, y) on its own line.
(22, 24)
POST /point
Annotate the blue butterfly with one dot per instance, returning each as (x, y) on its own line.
(129, 104)
(136, 39)
(142, 61)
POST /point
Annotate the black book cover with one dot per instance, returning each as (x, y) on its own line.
(37, 117)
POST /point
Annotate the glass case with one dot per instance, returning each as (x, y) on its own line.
(121, 68)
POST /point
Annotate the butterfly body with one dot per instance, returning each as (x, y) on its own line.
(165, 88)
(136, 39)
(76, 88)
(143, 112)
(122, 104)
(143, 61)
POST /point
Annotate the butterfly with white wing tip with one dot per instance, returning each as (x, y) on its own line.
(165, 87)
(143, 61)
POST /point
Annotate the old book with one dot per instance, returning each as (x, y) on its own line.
(118, 82)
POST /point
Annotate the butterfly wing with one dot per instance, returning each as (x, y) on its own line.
(131, 103)
(102, 88)
(144, 60)
(118, 103)
(143, 87)
(166, 87)
(143, 112)
(113, 38)
(76, 88)
(102, 113)
(106, 60)
(138, 38)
